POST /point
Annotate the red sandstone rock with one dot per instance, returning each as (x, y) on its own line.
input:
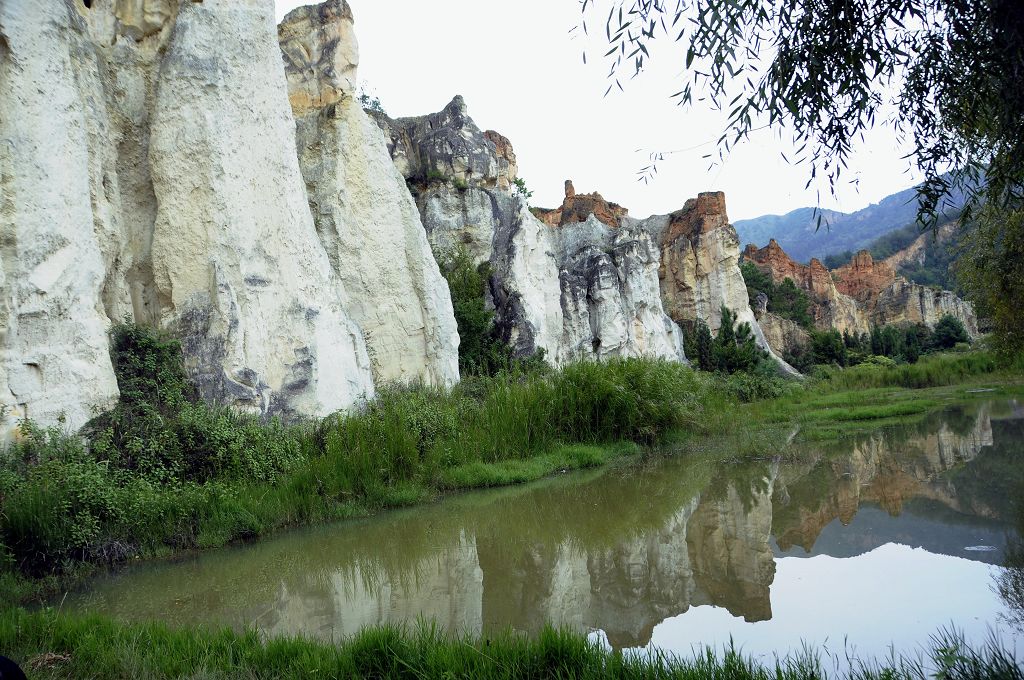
(863, 278)
(578, 207)
(698, 215)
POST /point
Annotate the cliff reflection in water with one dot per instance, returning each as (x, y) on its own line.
(619, 550)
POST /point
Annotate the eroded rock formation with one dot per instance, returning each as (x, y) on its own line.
(861, 294)
(149, 169)
(584, 280)
(578, 207)
(364, 215)
(700, 271)
(582, 291)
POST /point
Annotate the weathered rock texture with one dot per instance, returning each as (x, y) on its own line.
(364, 214)
(578, 207)
(700, 270)
(53, 344)
(917, 252)
(240, 272)
(586, 290)
(149, 169)
(832, 308)
(862, 293)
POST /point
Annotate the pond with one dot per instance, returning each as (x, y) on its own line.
(853, 546)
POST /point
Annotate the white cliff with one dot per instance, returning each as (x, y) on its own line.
(240, 272)
(364, 214)
(53, 326)
(584, 292)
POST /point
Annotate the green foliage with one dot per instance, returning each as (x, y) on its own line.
(698, 344)
(828, 347)
(785, 299)
(99, 648)
(370, 101)
(893, 344)
(223, 477)
(433, 175)
(735, 348)
(521, 189)
(161, 431)
(757, 386)
(992, 271)
(931, 371)
(481, 350)
(948, 333)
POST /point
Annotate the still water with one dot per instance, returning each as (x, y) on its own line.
(855, 546)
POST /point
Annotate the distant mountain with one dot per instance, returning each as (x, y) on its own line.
(798, 235)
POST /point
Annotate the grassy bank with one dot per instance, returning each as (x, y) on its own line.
(163, 473)
(54, 646)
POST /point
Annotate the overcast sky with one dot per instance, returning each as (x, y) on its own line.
(521, 73)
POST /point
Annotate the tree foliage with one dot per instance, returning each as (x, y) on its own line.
(785, 299)
(735, 349)
(944, 74)
(481, 350)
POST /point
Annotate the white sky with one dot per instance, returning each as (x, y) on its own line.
(522, 75)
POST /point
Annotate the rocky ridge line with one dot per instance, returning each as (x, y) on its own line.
(862, 293)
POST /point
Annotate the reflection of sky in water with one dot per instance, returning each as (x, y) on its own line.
(860, 543)
(893, 595)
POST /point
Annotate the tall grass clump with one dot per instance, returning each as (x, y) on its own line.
(936, 370)
(52, 645)
(163, 472)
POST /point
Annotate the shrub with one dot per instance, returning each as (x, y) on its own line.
(734, 348)
(481, 350)
(521, 189)
(699, 345)
(949, 332)
(785, 299)
(748, 387)
(161, 431)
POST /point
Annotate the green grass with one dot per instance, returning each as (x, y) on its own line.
(68, 506)
(932, 370)
(50, 645)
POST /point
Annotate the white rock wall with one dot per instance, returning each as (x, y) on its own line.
(365, 216)
(53, 327)
(240, 272)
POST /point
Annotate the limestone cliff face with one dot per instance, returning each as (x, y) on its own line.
(863, 292)
(364, 215)
(53, 344)
(240, 272)
(149, 169)
(700, 270)
(782, 334)
(586, 290)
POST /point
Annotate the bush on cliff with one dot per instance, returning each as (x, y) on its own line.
(784, 299)
(481, 350)
(161, 430)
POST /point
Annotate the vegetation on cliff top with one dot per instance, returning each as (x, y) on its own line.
(784, 299)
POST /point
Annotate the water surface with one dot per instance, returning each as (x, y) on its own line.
(876, 541)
